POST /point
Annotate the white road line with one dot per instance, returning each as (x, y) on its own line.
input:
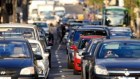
(63, 76)
(60, 66)
(57, 56)
(59, 62)
(60, 71)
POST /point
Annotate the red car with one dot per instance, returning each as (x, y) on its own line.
(82, 44)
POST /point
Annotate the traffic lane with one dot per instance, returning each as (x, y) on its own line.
(74, 9)
(59, 68)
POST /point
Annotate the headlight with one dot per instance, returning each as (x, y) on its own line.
(27, 71)
(100, 70)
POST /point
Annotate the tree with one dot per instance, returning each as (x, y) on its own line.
(130, 5)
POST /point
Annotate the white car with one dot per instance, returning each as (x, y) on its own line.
(51, 19)
(42, 25)
(60, 11)
(63, 2)
(28, 31)
(42, 65)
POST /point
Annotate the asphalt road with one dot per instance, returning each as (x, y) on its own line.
(59, 68)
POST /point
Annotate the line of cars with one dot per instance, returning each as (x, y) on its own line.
(102, 52)
(24, 52)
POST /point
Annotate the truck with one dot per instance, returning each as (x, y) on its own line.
(45, 10)
(115, 16)
(33, 9)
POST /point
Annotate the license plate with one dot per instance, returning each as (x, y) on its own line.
(5, 77)
(126, 78)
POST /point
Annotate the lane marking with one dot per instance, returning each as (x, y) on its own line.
(60, 71)
(59, 62)
(63, 76)
(57, 49)
(57, 56)
(60, 66)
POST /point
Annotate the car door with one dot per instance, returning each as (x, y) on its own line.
(45, 60)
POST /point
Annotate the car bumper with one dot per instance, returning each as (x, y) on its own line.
(115, 77)
(26, 78)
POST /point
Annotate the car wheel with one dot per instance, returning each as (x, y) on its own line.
(75, 72)
(82, 76)
(70, 65)
(66, 51)
(50, 65)
(87, 76)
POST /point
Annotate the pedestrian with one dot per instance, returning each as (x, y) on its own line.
(59, 33)
(63, 31)
(52, 31)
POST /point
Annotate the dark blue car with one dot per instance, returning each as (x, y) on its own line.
(88, 30)
(115, 59)
(17, 60)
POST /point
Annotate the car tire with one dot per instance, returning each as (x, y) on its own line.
(50, 64)
(66, 51)
(70, 64)
(75, 72)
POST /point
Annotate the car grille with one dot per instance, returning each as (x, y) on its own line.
(124, 73)
(7, 72)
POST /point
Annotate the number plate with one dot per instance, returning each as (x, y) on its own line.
(5, 77)
(126, 78)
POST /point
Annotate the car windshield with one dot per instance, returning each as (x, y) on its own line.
(79, 33)
(83, 43)
(93, 32)
(50, 17)
(17, 32)
(115, 17)
(9, 49)
(117, 33)
(119, 50)
(41, 25)
(60, 12)
(36, 48)
(76, 24)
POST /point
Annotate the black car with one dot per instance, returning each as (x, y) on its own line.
(85, 57)
(17, 60)
(116, 59)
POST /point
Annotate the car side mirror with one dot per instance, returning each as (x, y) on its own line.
(48, 48)
(81, 52)
(88, 57)
(85, 53)
(74, 47)
(38, 57)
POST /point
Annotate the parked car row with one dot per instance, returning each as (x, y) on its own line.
(24, 51)
(102, 52)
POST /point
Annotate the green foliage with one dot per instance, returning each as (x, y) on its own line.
(130, 5)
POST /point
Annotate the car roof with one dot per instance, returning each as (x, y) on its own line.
(13, 39)
(90, 27)
(33, 41)
(40, 22)
(113, 7)
(120, 29)
(91, 36)
(17, 25)
(121, 40)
